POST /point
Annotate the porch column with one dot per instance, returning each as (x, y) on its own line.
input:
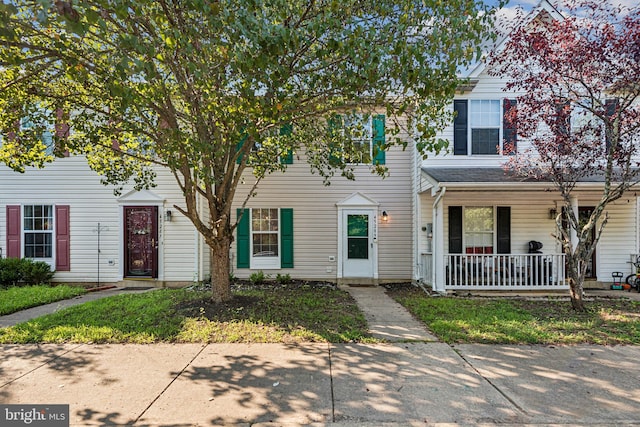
(574, 233)
(438, 247)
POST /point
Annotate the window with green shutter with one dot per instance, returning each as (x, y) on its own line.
(367, 135)
(264, 238)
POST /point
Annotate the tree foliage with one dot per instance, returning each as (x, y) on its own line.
(579, 107)
(205, 88)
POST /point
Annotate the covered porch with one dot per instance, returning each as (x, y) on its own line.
(476, 226)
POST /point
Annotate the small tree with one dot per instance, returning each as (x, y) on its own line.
(580, 84)
(208, 89)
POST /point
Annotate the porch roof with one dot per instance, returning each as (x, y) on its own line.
(490, 176)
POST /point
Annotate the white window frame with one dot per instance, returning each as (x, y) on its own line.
(264, 262)
(23, 233)
(367, 136)
(465, 231)
(471, 126)
(46, 137)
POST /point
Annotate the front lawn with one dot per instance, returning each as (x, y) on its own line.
(19, 298)
(523, 320)
(293, 313)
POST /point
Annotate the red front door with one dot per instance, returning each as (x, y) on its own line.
(141, 241)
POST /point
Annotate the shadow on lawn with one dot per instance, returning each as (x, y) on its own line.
(260, 314)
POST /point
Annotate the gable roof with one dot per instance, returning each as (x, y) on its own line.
(544, 7)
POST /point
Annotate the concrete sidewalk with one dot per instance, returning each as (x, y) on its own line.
(410, 381)
(321, 384)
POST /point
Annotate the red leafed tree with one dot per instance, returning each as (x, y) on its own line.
(579, 84)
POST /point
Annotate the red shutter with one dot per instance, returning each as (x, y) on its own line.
(13, 231)
(63, 258)
(62, 130)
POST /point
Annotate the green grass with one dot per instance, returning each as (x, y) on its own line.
(264, 314)
(19, 298)
(524, 321)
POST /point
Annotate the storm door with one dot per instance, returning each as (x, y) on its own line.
(358, 256)
(141, 241)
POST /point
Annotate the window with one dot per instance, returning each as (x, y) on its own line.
(264, 232)
(361, 134)
(40, 232)
(259, 146)
(366, 136)
(481, 129)
(484, 121)
(478, 230)
(265, 238)
(45, 136)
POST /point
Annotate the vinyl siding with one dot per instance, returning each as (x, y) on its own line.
(316, 220)
(530, 221)
(69, 181)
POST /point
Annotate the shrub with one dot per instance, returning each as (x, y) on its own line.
(283, 279)
(10, 272)
(36, 272)
(258, 278)
(23, 271)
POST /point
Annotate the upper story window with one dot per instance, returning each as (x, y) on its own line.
(39, 127)
(361, 134)
(365, 133)
(484, 124)
(45, 136)
(481, 129)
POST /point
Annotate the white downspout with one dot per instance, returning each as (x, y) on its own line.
(197, 277)
(438, 244)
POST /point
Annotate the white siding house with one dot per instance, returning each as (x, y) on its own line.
(295, 225)
(481, 227)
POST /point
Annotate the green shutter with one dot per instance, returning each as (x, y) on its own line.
(239, 147)
(335, 150)
(379, 155)
(286, 237)
(242, 239)
(287, 158)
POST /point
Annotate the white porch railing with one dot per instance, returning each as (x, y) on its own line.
(502, 272)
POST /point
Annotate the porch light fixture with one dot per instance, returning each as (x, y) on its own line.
(385, 217)
(553, 213)
(167, 215)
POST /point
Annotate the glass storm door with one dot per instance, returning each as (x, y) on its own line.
(141, 241)
(357, 257)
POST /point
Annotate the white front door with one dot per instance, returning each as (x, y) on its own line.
(358, 233)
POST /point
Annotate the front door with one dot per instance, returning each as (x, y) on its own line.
(141, 241)
(358, 235)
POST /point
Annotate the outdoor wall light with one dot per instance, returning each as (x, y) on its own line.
(167, 215)
(385, 217)
(553, 213)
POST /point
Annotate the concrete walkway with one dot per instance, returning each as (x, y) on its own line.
(414, 383)
(387, 319)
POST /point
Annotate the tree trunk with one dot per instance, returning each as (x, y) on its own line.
(220, 284)
(576, 292)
